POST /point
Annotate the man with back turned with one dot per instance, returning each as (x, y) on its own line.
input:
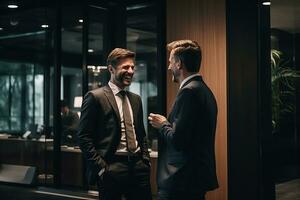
(186, 160)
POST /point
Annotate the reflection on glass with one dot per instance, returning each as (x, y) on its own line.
(4, 95)
(98, 74)
(24, 62)
(71, 73)
(70, 120)
(285, 74)
(142, 39)
(71, 89)
(21, 102)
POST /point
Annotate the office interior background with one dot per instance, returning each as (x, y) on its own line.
(53, 51)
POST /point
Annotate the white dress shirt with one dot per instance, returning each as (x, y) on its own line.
(122, 149)
(188, 78)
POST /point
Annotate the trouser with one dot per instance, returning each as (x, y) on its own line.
(126, 177)
(180, 195)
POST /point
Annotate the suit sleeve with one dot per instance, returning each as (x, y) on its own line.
(179, 133)
(90, 114)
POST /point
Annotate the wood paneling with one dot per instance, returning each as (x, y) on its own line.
(205, 22)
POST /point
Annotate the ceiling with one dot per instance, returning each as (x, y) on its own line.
(285, 15)
(21, 31)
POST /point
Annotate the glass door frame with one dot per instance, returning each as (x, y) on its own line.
(114, 36)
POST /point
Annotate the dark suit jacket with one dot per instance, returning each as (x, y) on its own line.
(100, 130)
(186, 159)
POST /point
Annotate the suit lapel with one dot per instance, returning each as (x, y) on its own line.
(111, 99)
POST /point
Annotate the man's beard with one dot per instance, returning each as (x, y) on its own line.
(121, 78)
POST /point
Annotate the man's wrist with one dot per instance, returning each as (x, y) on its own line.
(103, 166)
(101, 172)
(165, 123)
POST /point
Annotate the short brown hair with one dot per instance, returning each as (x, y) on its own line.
(188, 52)
(117, 54)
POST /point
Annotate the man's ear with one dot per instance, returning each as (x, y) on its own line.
(179, 64)
(110, 69)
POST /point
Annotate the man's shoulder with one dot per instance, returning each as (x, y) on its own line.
(193, 85)
(196, 84)
(98, 92)
(133, 94)
(196, 88)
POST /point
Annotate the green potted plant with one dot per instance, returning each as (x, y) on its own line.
(282, 82)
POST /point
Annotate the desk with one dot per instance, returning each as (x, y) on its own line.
(18, 151)
(39, 153)
(72, 166)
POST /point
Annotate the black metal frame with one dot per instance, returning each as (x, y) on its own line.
(85, 48)
(116, 26)
(162, 56)
(56, 95)
(249, 101)
(114, 36)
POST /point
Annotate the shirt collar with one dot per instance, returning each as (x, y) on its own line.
(115, 89)
(187, 79)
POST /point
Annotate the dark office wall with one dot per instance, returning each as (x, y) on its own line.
(286, 136)
(249, 109)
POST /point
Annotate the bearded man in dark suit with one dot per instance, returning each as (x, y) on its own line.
(186, 154)
(112, 134)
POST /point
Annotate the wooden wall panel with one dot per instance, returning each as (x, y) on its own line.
(205, 22)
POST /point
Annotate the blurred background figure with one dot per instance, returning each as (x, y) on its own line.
(70, 121)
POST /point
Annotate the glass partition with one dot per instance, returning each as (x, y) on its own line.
(98, 74)
(142, 39)
(71, 72)
(22, 96)
(285, 74)
(25, 43)
(27, 89)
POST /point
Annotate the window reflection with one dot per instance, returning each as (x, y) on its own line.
(71, 88)
(71, 73)
(142, 39)
(71, 172)
(285, 72)
(21, 102)
(27, 78)
(4, 96)
(25, 52)
(98, 75)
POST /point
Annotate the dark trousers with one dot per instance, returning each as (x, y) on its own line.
(125, 178)
(179, 195)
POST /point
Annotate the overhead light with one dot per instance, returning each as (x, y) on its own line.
(44, 25)
(12, 6)
(1, 28)
(266, 3)
(135, 7)
(80, 20)
(91, 50)
(96, 69)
